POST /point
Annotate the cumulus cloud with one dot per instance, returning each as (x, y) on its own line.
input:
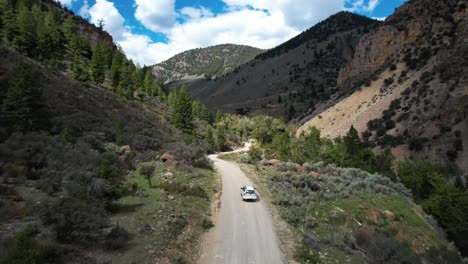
(195, 13)
(104, 10)
(84, 10)
(363, 6)
(158, 16)
(259, 23)
(65, 2)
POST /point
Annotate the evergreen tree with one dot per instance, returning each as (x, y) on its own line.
(220, 137)
(182, 115)
(137, 78)
(159, 91)
(218, 118)
(353, 142)
(172, 101)
(26, 38)
(148, 83)
(22, 108)
(79, 69)
(71, 36)
(116, 67)
(9, 24)
(49, 38)
(98, 63)
(209, 140)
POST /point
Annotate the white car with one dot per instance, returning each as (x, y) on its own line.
(248, 193)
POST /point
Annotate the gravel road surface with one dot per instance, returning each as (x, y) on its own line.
(243, 231)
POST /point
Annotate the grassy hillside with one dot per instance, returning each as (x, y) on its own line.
(210, 62)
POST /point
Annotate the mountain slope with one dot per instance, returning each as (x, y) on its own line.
(82, 131)
(211, 62)
(293, 77)
(413, 93)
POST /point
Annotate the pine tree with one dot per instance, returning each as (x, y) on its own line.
(10, 26)
(209, 140)
(137, 78)
(353, 142)
(184, 109)
(98, 63)
(148, 83)
(49, 38)
(116, 67)
(79, 69)
(220, 137)
(22, 107)
(26, 38)
(71, 36)
(159, 91)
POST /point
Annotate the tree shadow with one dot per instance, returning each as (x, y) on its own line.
(118, 208)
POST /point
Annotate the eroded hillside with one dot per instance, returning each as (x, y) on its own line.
(413, 87)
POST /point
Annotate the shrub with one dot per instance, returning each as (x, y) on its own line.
(175, 187)
(307, 254)
(75, 220)
(117, 238)
(206, 223)
(388, 81)
(383, 249)
(22, 250)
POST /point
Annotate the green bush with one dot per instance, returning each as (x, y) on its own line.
(117, 238)
(22, 250)
(175, 187)
(447, 203)
(75, 220)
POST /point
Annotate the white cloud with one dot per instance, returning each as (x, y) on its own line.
(379, 18)
(65, 2)
(158, 16)
(84, 10)
(258, 23)
(195, 13)
(362, 6)
(113, 21)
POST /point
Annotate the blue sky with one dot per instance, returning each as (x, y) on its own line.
(150, 31)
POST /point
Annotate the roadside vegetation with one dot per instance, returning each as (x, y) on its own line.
(345, 203)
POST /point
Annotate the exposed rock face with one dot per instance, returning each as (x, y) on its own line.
(413, 24)
(411, 79)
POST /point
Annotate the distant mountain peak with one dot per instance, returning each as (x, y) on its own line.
(210, 62)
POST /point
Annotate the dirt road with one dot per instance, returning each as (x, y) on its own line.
(243, 231)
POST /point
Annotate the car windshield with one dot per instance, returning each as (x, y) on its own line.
(250, 192)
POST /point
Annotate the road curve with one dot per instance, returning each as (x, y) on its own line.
(243, 231)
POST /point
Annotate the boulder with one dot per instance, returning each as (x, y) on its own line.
(125, 149)
(375, 217)
(314, 174)
(168, 175)
(274, 161)
(390, 216)
(167, 156)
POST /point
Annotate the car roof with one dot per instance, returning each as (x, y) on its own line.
(249, 188)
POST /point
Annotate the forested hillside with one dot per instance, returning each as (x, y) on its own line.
(97, 163)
